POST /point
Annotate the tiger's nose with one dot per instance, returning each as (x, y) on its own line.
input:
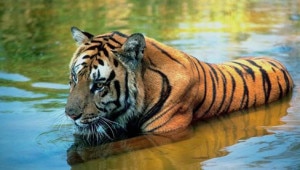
(73, 113)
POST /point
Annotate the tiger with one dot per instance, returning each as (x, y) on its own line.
(128, 85)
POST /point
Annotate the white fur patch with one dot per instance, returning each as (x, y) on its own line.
(78, 64)
(100, 72)
(78, 123)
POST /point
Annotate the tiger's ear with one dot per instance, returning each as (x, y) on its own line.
(80, 36)
(132, 51)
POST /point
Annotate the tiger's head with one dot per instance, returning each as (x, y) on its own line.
(104, 93)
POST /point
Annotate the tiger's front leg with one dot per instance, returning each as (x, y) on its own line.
(169, 119)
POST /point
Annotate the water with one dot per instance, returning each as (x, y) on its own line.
(36, 46)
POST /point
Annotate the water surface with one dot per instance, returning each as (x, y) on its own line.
(36, 46)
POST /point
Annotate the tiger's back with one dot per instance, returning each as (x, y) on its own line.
(208, 90)
(242, 83)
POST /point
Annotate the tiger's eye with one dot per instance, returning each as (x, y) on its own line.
(99, 85)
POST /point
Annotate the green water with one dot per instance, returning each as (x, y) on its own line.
(36, 46)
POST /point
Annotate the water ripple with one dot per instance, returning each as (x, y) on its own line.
(15, 92)
(13, 77)
(50, 85)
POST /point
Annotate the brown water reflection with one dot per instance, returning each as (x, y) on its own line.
(36, 46)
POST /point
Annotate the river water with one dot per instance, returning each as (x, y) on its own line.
(36, 46)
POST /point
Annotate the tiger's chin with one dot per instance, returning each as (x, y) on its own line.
(98, 130)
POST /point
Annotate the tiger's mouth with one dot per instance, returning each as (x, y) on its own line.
(83, 122)
(98, 127)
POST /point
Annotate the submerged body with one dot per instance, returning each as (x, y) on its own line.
(132, 84)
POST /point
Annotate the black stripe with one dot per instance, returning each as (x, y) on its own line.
(166, 53)
(151, 62)
(104, 93)
(280, 89)
(97, 41)
(86, 56)
(100, 61)
(195, 64)
(198, 73)
(126, 89)
(287, 81)
(265, 79)
(114, 40)
(164, 94)
(118, 91)
(98, 76)
(91, 48)
(101, 109)
(254, 103)
(90, 36)
(273, 64)
(111, 76)
(205, 88)
(247, 69)
(99, 79)
(110, 46)
(224, 83)
(116, 114)
(105, 52)
(245, 96)
(213, 93)
(116, 63)
(267, 84)
(119, 33)
(82, 71)
(232, 92)
(270, 62)
(116, 102)
(101, 36)
(163, 123)
(214, 71)
(106, 38)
